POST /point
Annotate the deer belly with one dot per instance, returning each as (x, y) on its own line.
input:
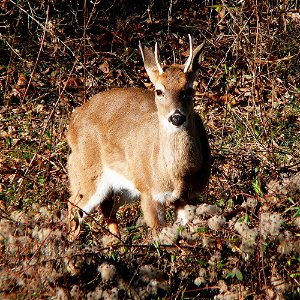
(112, 184)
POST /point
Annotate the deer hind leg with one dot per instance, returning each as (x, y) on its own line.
(75, 216)
(153, 211)
(83, 189)
(109, 208)
(79, 206)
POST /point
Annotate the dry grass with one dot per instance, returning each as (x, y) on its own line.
(242, 241)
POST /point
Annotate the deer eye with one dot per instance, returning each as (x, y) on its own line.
(159, 92)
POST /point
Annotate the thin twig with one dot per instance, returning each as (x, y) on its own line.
(41, 25)
(51, 113)
(38, 56)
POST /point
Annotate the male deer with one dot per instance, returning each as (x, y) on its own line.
(130, 143)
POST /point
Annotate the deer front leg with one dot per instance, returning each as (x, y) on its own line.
(153, 210)
(180, 212)
(181, 195)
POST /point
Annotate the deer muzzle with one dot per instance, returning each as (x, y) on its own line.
(177, 118)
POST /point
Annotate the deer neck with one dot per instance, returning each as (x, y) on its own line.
(178, 149)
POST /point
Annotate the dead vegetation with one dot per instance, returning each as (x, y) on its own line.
(242, 241)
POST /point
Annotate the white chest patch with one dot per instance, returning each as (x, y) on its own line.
(112, 183)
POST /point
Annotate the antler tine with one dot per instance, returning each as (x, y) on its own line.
(188, 62)
(141, 49)
(160, 70)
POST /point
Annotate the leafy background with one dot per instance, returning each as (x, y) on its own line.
(242, 241)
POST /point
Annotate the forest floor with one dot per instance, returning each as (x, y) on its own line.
(242, 240)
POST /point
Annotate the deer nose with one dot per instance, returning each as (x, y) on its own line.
(177, 118)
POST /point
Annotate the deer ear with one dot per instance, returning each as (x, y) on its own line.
(151, 62)
(192, 64)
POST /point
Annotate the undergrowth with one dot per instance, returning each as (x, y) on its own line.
(242, 240)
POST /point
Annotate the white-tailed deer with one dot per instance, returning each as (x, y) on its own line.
(130, 143)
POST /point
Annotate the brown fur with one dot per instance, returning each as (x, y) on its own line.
(122, 131)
